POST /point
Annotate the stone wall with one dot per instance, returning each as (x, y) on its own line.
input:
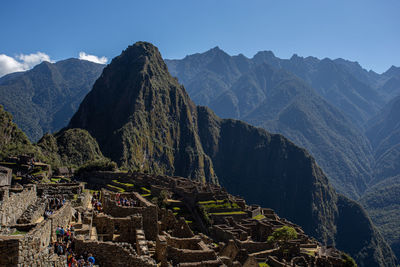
(177, 255)
(183, 243)
(32, 248)
(33, 212)
(61, 217)
(112, 254)
(5, 176)
(60, 189)
(147, 209)
(9, 248)
(15, 204)
(125, 227)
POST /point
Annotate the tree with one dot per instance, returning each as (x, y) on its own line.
(284, 233)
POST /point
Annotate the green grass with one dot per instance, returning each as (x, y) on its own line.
(225, 205)
(119, 189)
(37, 173)
(210, 202)
(263, 264)
(8, 163)
(176, 208)
(146, 195)
(228, 213)
(188, 221)
(259, 217)
(124, 184)
(55, 180)
(19, 233)
(145, 190)
(309, 252)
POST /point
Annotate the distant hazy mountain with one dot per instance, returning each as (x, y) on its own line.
(260, 91)
(336, 81)
(384, 134)
(44, 99)
(389, 83)
(144, 119)
(383, 204)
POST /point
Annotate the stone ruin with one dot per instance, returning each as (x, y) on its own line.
(168, 221)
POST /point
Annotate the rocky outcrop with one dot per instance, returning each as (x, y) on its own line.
(143, 118)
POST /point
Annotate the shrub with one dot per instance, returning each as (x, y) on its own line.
(348, 261)
(285, 233)
(97, 165)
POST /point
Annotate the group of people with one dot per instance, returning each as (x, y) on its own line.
(56, 202)
(85, 260)
(125, 202)
(96, 203)
(65, 245)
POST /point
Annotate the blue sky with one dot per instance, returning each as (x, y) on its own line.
(359, 30)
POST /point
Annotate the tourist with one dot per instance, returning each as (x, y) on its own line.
(91, 259)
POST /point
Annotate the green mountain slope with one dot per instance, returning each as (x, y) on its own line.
(13, 141)
(383, 204)
(384, 134)
(143, 118)
(280, 102)
(70, 147)
(44, 99)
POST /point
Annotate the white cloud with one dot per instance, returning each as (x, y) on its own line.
(92, 58)
(21, 62)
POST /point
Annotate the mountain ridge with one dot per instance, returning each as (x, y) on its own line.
(44, 98)
(143, 85)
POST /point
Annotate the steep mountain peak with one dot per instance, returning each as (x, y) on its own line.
(392, 71)
(296, 57)
(266, 53)
(143, 118)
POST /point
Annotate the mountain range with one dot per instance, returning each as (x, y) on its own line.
(138, 115)
(280, 96)
(345, 116)
(143, 119)
(43, 99)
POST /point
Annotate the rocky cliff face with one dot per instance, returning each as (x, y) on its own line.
(143, 118)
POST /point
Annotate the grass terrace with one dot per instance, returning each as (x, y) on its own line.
(124, 184)
(259, 217)
(115, 188)
(228, 213)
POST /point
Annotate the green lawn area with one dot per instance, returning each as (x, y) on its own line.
(146, 195)
(210, 202)
(263, 264)
(119, 189)
(224, 205)
(125, 184)
(259, 217)
(19, 233)
(145, 190)
(228, 213)
(176, 208)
